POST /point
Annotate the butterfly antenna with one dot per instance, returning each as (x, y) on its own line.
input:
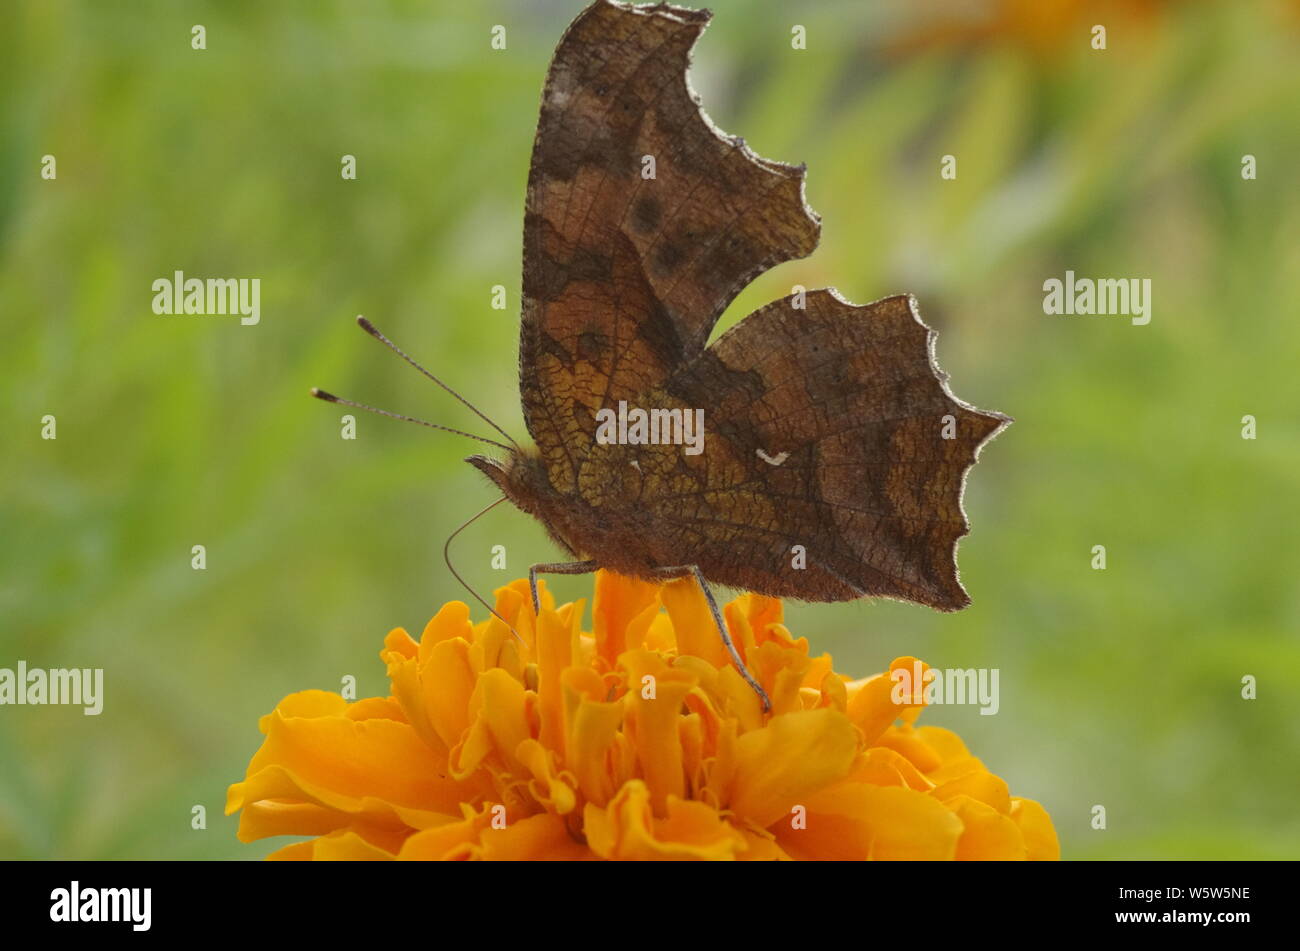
(331, 398)
(371, 329)
(446, 556)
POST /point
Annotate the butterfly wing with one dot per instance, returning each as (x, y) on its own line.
(642, 222)
(828, 427)
(825, 426)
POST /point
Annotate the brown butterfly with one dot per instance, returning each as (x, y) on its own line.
(811, 452)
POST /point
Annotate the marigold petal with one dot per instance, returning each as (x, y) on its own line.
(780, 765)
(399, 642)
(297, 852)
(341, 846)
(376, 708)
(818, 669)
(485, 646)
(627, 829)
(447, 681)
(833, 691)
(454, 840)
(339, 762)
(500, 724)
(1036, 826)
(737, 621)
(873, 703)
(906, 742)
(549, 786)
(654, 701)
(693, 624)
(541, 837)
(408, 694)
(557, 643)
(659, 635)
(947, 744)
(347, 846)
(277, 784)
(705, 674)
(910, 825)
(305, 703)
(697, 830)
(855, 821)
(762, 847)
(978, 784)
(690, 733)
(738, 699)
(987, 834)
(266, 818)
(761, 612)
(882, 766)
(621, 612)
(593, 728)
(781, 672)
(720, 771)
(451, 621)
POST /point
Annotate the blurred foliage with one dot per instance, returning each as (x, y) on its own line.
(1119, 687)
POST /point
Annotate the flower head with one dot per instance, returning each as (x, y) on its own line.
(638, 740)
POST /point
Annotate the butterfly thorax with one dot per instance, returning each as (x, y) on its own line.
(615, 541)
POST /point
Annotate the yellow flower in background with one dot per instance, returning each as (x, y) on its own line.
(638, 740)
(1040, 27)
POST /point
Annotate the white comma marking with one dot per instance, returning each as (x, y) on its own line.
(772, 460)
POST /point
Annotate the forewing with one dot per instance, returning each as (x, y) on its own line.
(626, 274)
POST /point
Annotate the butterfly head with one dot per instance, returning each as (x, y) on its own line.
(520, 476)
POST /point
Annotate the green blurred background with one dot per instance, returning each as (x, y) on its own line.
(1119, 687)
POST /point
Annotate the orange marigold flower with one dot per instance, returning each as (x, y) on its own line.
(638, 740)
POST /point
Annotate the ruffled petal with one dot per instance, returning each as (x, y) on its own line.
(622, 611)
(987, 835)
(453, 840)
(543, 837)
(781, 765)
(375, 768)
(1036, 827)
(876, 702)
(654, 703)
(854, 821)
(627, 829)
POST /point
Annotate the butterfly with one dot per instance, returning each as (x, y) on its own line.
(813, 451)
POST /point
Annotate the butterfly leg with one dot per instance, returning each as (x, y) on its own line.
(684, 571)
(559, 568)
